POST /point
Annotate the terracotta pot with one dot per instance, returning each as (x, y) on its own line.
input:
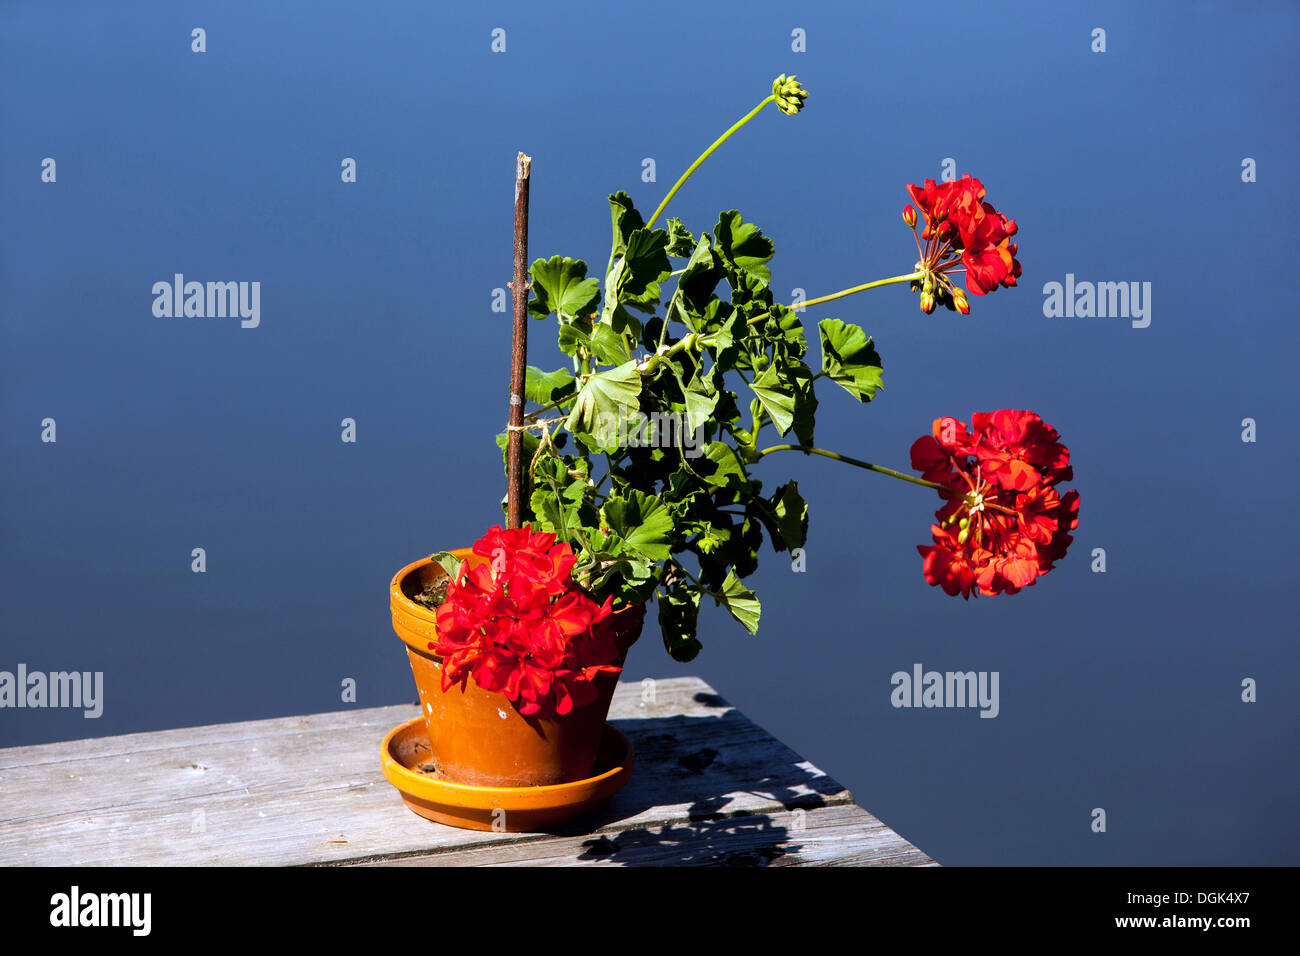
(477, 737)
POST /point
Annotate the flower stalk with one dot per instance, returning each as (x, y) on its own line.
(690, 170)
(786, 93)
(858, 463)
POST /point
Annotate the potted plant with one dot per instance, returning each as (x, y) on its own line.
(638, 472)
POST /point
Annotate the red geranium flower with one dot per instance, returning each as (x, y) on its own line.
(519, 626)
(962, 233)
(1019, 448)
(1003, 524)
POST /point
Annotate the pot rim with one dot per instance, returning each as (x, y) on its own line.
(397, 598)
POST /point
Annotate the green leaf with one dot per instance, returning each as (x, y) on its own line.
(559, 496)
(720, 325)
(682, 486)
(602, 401)
(740, 601)
(625, 219)
(680, 240)
(726, 470)
(612, 282)
(742, 547)
(625, 323)
(560, 285)
(551, 513)
(744, 249)
(607, 345)
(701, 277)
(646, 265)
(777, 398)
(699, 396)
(790, 528)
(449, 563)
(543, 388)
(630, 579)
(571, 338)
(679, 615)
(701, 399)
(805, 411)
(642, 521)
(850, 359)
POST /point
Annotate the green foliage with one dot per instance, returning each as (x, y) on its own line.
(599, 403)
(849, 358)
(641, 523)
(740, 601)
(544, 388)
(655, 493)
(561, 286)
(744, 250)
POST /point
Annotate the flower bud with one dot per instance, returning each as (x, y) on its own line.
(927, 302)
(789, 94)
(959, 299)
(909, 216)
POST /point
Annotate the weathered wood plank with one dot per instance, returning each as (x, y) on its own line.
(303, 790)
(676, 695)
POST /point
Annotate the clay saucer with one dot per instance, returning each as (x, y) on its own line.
(405, 751)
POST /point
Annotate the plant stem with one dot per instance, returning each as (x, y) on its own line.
(519, 348)
(705, 155)
(668, 314)
(858, 463)
(685, 342)
(861, 288)
(843, 292)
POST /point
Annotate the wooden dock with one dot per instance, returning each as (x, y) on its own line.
(710, 788)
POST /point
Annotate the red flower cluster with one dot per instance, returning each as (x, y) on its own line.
(962, 232)
(520, 627)
(1004, 524)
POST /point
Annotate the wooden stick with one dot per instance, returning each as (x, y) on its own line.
(519, 351)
